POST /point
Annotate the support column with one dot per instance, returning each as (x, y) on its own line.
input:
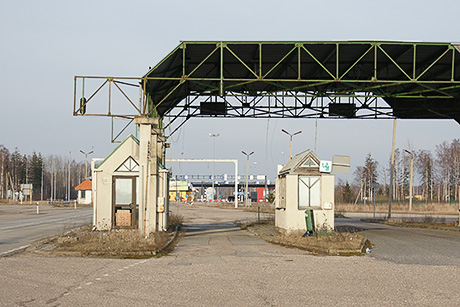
(150, 153)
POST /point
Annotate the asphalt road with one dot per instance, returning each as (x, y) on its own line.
(216, 264)
(20, 225)
(408, 245)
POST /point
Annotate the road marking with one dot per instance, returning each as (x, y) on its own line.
(106, 275)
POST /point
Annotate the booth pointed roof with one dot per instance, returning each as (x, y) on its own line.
(300, 159)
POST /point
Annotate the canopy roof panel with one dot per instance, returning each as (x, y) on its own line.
(416, 80)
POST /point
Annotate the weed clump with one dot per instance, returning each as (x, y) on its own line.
(175, 220)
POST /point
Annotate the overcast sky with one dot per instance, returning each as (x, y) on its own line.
(44, 44)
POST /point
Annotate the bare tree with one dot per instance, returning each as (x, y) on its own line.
(424, 167)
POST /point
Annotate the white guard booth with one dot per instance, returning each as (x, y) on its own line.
(117, 192)
(301, 186)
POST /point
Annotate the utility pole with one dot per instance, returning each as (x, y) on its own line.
(411, 177)
(86, 161)
(68, 173)
(213, 135)
(247, 176)
(392, 169)
(290, 141)
(41, 195)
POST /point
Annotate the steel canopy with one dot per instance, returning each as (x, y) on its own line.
(304, 79)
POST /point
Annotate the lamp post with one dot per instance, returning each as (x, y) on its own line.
(247, 175)
(411, 177)
(290, 141)
(214, 136)
(86, 161)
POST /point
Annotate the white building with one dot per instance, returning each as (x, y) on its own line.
(118, 192)
(302, 186)
(84, 192)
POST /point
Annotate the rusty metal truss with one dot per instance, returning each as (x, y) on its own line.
(343, 79)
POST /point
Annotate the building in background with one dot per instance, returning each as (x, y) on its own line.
(84, 189)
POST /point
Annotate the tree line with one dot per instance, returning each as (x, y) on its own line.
(53, 177)
(436, 176)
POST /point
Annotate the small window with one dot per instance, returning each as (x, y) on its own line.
(310, 163)
(128, 166)
(83, 194)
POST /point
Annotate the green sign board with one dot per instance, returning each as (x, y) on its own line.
(178, 185)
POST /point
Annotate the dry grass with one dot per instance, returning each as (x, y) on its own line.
(260, 208)
(117, 243)
(245, 225)
(427, 221)
(420, 208)
(120, 243)
(322, 242)
(175, 220)
(334, 241)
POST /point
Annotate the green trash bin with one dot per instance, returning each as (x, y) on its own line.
(309, 222)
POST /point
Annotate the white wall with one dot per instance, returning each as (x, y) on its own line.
(293, 218)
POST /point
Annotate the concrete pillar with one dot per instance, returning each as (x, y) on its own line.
(151, 142)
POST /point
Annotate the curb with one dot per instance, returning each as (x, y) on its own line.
(14, 251)
(432, 227)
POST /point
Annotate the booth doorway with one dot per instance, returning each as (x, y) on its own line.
(125, 205)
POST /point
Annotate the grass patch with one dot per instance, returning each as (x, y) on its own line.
(346, 242)
(427, 221)
(245, 225)
(417, 207)
(116, 243)
(260, 208)
(120, 243)
(330, 243)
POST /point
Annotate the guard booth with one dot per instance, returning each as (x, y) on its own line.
(304, 184)
(117, 192)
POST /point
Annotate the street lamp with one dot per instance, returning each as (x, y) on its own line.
(411, 177)
(247, 175)
(86, 162)
(290, 141)
(214, 136)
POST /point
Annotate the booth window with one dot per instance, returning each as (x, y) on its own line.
(309, 191)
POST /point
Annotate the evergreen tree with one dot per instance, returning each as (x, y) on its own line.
(347, 194)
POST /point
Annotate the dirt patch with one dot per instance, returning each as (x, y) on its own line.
(117, 243)
(123, 243)
(417, 207)
(337, 243)
(427, 222)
